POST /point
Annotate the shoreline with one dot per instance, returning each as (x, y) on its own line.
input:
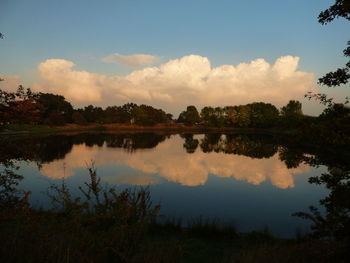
(116, 128)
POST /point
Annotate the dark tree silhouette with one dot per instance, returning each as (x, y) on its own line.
(341, 8)
(52, 103)
(292, 114)
(262, 114)
(190, 116)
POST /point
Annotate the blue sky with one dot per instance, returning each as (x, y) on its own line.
(225, 32)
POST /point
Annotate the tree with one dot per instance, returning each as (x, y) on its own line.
(119, 114)
(206, 114)
(24, 112)
(111, 114)
(263, 114)
(231, 115)
(93, 114)
(341, 8)
(140, 117)
(153, 116)
(190, 116)
(337, 114)
(19, 107)
(5, 100)
(55, 118)
(218, 117)
(243, 116)
(127, 110)
(213, 116)
(292, 113)
(56, 104)
(292, 109)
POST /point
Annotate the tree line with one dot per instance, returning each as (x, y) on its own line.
(27, 107)
(265, 115)
(257, 114)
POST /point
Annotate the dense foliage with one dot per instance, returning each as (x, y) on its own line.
(27, 107)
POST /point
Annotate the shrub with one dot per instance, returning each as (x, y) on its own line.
(101, 226)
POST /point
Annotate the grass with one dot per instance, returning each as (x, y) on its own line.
(15, 128)
(29, 128)
(48, 129)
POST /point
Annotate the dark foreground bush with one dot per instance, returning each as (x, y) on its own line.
(104, 226)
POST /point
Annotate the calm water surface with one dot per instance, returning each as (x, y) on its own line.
(249, 180)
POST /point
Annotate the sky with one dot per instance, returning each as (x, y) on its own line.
(171, 54)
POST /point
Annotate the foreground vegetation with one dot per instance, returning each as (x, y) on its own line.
(108, 225)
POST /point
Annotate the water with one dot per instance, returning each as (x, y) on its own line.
(253, 181)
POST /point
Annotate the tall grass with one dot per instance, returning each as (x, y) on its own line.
(103, 226)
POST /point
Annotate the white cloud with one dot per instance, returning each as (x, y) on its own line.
(189, 80)
(135, 60)
(9, 83)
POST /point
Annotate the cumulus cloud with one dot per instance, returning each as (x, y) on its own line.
(170, 161)
(75, 85)
(180, 82)
(135, 60)
(9, 83)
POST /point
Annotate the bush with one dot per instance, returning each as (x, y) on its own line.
(103, 226)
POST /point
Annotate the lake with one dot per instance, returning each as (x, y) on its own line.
(253, 181)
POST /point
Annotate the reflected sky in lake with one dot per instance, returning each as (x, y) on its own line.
(171, 162)
(234, 179)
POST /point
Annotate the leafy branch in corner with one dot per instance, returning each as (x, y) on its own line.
(341, 76)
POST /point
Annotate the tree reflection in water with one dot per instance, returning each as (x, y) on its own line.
(333, 224)
(190, 143)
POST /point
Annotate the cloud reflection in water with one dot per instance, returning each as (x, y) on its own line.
(170, 161)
